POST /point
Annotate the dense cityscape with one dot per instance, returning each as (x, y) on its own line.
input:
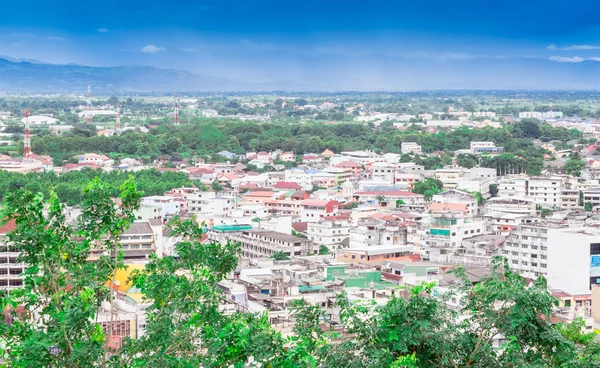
(277, 230)
(325, 184)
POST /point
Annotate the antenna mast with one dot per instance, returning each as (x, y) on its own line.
(118, 125)
(27, 139)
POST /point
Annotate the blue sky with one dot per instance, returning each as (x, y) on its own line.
(343, 44)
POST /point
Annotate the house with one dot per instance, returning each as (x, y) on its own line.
(287, 156)
(411, 147)
(355, 167)
(264, 157)
(94, 159)
(311, 157)
(285, 185)
(327, 153)
(170, 206)
(312, 210)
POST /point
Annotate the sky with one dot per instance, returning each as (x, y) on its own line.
(352, 45)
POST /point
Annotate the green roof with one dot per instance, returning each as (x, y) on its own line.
(225, 228)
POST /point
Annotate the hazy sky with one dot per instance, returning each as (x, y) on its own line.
(341, 44)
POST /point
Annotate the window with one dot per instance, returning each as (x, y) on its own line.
(543, 265)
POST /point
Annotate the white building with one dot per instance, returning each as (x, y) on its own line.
(330, 231)
(383, 172)
(170, 207)
(527, 249)
(573, 263)
(41, 120)
(312, 210)
(411, 147)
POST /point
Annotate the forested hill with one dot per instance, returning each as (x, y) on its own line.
(210, 136)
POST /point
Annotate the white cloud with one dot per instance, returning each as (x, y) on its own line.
(188, 49)
(573, 47)
(152, 49)
(562, 59)
(56, 38)
(102, 30)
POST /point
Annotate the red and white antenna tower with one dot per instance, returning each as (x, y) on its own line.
(89, 101)
(176, 118)
(27, 140)
(550, 104)
(118, 125)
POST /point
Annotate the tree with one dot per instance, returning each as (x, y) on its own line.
(574, 166)
(324, 250)
(399, 203)
(253, 144)
(493, 190)
(580, 202)
(280, 256)
(479, 197)
(429, 187)
(467, 160)
(380, 199)
(216, 186)
(589, 206)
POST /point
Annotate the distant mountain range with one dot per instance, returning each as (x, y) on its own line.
(330, 74)
(36, 77)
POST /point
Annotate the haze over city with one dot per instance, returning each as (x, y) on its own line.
(323, 46)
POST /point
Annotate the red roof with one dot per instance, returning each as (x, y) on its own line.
(287, 185)
(8, 227)
(336, 217)
(448, 207)
(300, 226)
(347, 164)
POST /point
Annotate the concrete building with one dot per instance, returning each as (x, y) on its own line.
(330, 231)
(10, 268)
(527, 249)
(573, 263)
(383, 172)
(312, 210)
(484, 147)
(263, 243)
(170, 206)
(411, 147)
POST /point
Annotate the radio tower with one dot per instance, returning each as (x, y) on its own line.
(27, 140)
(550, 104)
(89, 101)
(176, 119)
(118, 125)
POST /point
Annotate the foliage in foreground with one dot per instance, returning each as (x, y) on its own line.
(186, 328)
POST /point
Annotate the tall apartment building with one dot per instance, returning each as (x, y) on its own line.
(330, 231)
(573, 263)
(527, 249)
(546, 191)
(10, 269)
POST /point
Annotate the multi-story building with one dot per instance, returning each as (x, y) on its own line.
(330, 231)
(10, 269)
(373, 233)
(513, 186)
(170, 206)
(450, 177)
(546, 190)
(573, 263)
(454, 196)
(527, 249)
(487, 147)
(263, 243)
(383, 172)
(591, 195)
(411, 147)
(448, 229)
(312, 210)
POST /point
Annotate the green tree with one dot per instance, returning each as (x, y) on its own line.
(493, 190)
(399, 203)
(574, 166)
(467, 160)
(216, 186)
(280, 256)
(588, 206)
(324, 250)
